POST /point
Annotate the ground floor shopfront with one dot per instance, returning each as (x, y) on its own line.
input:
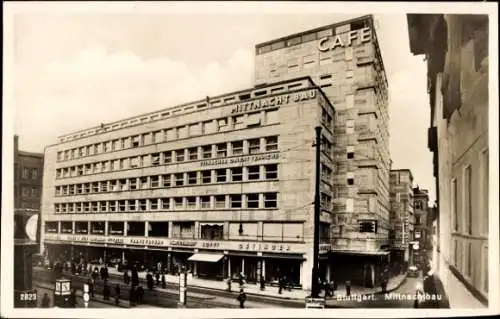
(294, 268)
(358, 268)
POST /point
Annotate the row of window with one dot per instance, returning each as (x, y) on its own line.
(32, 191)
(205, 177)
(30, 173)
(268, 231)
(171, 134)
(232, 201)
(221, 150)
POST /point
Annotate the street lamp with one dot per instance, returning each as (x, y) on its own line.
(62, 293)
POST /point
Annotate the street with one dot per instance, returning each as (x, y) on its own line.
(43, 288)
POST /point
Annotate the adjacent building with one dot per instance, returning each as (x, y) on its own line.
(456, 49)
(344, 59)
(28, 171)
(423, 226)
(223, 185)
(402, 218)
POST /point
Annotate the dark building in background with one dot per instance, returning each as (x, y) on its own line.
(28, 169)
(422, 226)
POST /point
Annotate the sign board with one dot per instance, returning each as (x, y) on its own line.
(241, 159)
(330, 43)
(86, 297)
(315, 303)
(259, 104)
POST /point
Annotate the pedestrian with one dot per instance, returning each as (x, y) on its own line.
(240, 279)
(72, 298)
(241, 298)
(163, 281)
(280, 285)
(149, 279)
(348, 288)
(135, 277)
(126, 278)
(228, 281)
(95, 274)
(132, 296)
(262, 283)
(101, 271)
(45, 301)
(106, 272)
(157, 277)
(117, 294)
(73, 268)
(106, 291)
(140, 295)
(332, 288)
(327, 289)
(90, 283)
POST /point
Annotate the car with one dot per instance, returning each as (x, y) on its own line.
(413, 271)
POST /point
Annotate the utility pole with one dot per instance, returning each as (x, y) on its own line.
(317, 212)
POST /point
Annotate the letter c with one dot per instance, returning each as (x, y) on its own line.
(323, 40)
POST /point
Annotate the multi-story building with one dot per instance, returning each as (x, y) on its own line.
(344, 60)
(456, 50)
(402, 218)
(28, 169)
(223, 185)
(422, 225)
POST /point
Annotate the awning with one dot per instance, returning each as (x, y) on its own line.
(210, 258)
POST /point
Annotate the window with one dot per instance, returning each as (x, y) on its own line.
(154, 203)
(182, 131)
(272, 117)
(79, 188)
(156, 137)
(467, 195)
(252, 200)
(239, 122)
(194, 129)
(193, 153)
(368, 226)
(222, 124)
(271, 143)
(254, 146)
(191, 202)
(349, 127)
(221, 150)
(212, 231)
(133, 183)
(79, 207)
(143, 204)
(237, 174)
(34, 173)
(271, 171)
(270, 200)
(165, 203)
(293, 41)
(350, 152)
(207, 151)
(95, 187)
(350, 181)
(179, 179)
(26, 192)
(167, 157)
(235, 201)
(253, 119)
(155, 159)
(206, 177)
(178, 204)
(166, 182)
(135, 141)
(134, 162)
(220, 175)
(192, 178)
(485, 191)
(179, 155)
(155, 181)
(208, 127)
(454, 206)
(144, 182)
(205, 202)
(253, 173)
(237, 148)
(220, 201)
(122, 205)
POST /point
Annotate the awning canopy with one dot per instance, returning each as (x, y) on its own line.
(210, 258)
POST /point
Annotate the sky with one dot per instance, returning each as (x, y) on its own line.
(76, 70)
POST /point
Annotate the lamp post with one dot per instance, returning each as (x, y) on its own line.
(62, 293)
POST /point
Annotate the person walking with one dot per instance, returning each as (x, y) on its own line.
(149, 279)
(157, 275)
(126, 278)
(90, 282)
(132, 296)
(45, 301)
(117, 294)
(242, 297)
(228, 284)
(262, 283)
(280, 285)
(163, 281)
(106, 291)
(140, 295)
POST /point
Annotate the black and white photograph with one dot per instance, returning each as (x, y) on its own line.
(234, 159)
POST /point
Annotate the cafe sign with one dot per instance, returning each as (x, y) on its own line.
(264, 103)
(241, 160)
(330, 43)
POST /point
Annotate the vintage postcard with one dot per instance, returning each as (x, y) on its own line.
(264, 159)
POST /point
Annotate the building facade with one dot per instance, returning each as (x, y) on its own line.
(423, 225)
(402, 218)
(28, 171)
(223, 186)
(456, 47)
(344, 60)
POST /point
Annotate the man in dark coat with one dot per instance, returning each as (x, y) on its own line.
(132, 296)
(106, 292)
(242, 297)
(135, 277)
(126, 278)
(117, 294)
(149, 279)
(140, 295)
(46, 301)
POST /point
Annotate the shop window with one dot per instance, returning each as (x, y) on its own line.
(183, 229)
(81, 227)
(220, 201)
(252, 200)
(97, 228)
(158, 229)
(237, 174)
(136, 228)
(253, 172)
(235, 200)
(115, 228)
(270, 200)
(205, 202)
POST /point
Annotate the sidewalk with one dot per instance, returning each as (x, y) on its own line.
(254, 289)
